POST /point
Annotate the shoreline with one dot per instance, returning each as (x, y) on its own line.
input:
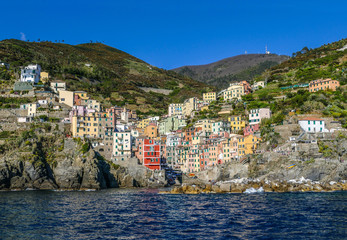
(258, 186)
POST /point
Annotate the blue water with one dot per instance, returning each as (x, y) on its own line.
(144, 214)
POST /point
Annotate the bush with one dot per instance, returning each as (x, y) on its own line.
(85, 147)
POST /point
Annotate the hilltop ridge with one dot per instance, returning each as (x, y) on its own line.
(232, 69)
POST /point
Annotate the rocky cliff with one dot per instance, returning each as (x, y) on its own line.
(70, 169)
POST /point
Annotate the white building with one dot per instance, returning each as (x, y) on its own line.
(312, 125)
(175, 109)
(31, 73)
(122, 145)
(24, 119)
(56, 86)
(221, 126)
(42, 102)
(256, 115)
(256, 85)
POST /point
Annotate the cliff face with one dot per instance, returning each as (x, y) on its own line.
(71, 170)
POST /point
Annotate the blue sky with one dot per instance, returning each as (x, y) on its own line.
(170, 34)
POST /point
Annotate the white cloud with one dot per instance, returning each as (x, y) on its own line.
(23, 37)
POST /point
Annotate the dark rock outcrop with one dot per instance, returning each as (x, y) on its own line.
(72, 171)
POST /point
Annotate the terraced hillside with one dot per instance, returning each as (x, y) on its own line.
(108, 74)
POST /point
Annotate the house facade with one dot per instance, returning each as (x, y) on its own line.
(31, 73)
(122, 145)
(209, 97)
(170, 124)
(256, 115)
(312, 125)
(323, 84)
(57, 86)
(236, 123)
(151, 154)
(175, 109)
(234, 92)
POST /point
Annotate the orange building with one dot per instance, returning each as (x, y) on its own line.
(247, 87)
(151, 131)
(323, 84)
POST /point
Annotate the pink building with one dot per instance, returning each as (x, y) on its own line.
(251, 129)
(256, 115)
(80, 111)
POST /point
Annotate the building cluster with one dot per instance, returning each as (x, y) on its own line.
(160, 141)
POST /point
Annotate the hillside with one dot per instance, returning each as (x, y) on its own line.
(281, 94)
(108, 74)
(327, 61)
(241, 67)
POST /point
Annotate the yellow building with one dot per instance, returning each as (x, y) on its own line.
(236, 123)
(205, 124)
(143, 123)
(95, 125)
(82, 95)
(189, 105)
(66, 97)
(151, 131)
(44, 76)
(71, 98)
(234, 92)
(209, 97)
(247, 145)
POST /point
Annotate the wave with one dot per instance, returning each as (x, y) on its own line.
(254, 190)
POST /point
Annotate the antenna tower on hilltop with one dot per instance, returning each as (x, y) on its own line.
(266, 51)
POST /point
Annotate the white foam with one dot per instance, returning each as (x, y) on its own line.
(253, 190)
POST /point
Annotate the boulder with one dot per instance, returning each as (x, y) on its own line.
(216, 189)
(225, 187)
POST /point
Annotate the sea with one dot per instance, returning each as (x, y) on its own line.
(146, 214)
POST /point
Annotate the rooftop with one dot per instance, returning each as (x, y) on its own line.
(311, 119)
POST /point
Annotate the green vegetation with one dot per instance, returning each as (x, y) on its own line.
(14, 102)
(85, 147)
(238, 68)
(101, 71)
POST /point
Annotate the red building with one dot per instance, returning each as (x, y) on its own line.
(151, 154)
(190, 133)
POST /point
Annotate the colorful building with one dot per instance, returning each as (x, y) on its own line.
(256, 115)
(175, 109)
(247, 145)
(151, 154)
(209, 97)
(236, 123)
(221, 126)
(205, 125)
(171, 124)
(251, 129)
(323, 84)
(234, 92)
(151, 131)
